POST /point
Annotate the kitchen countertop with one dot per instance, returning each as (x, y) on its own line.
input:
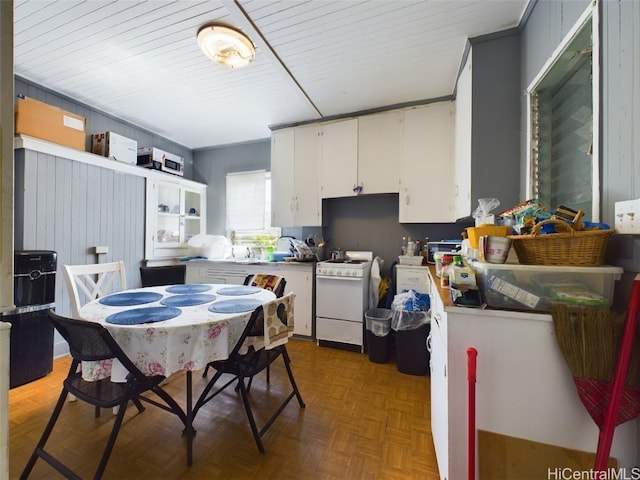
(248, 262)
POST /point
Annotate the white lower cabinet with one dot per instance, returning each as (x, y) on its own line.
(299, 279)
(524, 389)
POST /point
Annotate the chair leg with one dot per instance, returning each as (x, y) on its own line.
(45, 435)
(206, 371)
(252, 421)
(287, 364)
(112, 440)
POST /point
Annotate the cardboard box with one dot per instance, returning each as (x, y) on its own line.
(40, 120)
(115, 147)
(538, 287)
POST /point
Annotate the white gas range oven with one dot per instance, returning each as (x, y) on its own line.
(342, 297)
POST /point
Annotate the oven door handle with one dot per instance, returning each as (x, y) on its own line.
(335, 277)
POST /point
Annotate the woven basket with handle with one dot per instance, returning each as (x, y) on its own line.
(568, 247)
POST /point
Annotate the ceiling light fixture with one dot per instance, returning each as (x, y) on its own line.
(226, 46)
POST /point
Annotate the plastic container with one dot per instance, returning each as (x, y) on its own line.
(538, 287)
(474, 233)
(410, 259)
(378, 323)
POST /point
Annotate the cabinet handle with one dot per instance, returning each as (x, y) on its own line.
(406, 200)
(428, 342)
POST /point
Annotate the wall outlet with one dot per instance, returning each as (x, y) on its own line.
(627, 216)
(101, 250)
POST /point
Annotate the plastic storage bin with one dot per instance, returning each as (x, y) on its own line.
(378, 323)
(538, 287)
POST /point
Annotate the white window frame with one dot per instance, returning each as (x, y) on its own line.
(248, 237)
(590, 13)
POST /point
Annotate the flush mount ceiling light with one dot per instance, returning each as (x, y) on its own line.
(226, 46)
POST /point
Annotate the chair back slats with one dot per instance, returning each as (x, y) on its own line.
(88, 282)
(163, 275)
(90, 341)
(273, 283)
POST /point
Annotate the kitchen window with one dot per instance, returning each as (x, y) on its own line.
(563, 124)
(248, 209)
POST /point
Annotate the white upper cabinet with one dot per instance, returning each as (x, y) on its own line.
(307, 204)
(295, 164)
(339, 164)
(425, 165)
(282, 197)
(462, 140)
(175, 213)
(379, 150)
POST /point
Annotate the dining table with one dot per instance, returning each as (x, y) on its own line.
(173, 328)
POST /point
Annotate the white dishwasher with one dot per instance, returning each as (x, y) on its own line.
(412, 277)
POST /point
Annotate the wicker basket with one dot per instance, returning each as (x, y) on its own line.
(585, 248)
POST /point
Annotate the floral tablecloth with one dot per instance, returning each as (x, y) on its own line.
(186, 342)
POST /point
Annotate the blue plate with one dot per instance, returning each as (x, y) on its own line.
(235, 306)
(238, 290)
(126, 299)
(138, 316)
(187, 300)
(188, 288)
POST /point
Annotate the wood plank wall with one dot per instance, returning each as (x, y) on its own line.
(71, 207)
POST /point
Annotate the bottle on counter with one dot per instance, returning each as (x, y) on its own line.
(447, 261)
(411, 247)
(403, 246)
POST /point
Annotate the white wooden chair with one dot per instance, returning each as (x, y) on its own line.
(93, 281)
(88, 282)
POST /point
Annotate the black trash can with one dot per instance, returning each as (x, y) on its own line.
(378, 322)
(411, 350)
(411, 335)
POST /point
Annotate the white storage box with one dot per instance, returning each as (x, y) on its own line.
(537, 287)
(410, 259)
(115, 147)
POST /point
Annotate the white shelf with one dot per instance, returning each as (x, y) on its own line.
(38, 145)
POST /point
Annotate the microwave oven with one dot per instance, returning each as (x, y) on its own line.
(156, 159)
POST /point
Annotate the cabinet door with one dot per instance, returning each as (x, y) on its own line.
(339, 164)
(176, 211)
(282, 161)
(379, 148)
(307, 204)
(426, 174)
(439, 395)
(300, 281)
(462, 165)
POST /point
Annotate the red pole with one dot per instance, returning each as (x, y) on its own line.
(606, 433)
(472, 353)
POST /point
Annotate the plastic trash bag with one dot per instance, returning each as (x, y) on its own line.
(410, 310)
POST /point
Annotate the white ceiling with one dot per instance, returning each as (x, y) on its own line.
(139, 60)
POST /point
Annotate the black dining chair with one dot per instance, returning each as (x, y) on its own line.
(253, 353)
(273, 283)
(90, 341)
(163, 275)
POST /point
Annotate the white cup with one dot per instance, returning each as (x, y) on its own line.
(495, 249)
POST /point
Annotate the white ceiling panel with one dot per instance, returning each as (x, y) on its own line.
(139, 60)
